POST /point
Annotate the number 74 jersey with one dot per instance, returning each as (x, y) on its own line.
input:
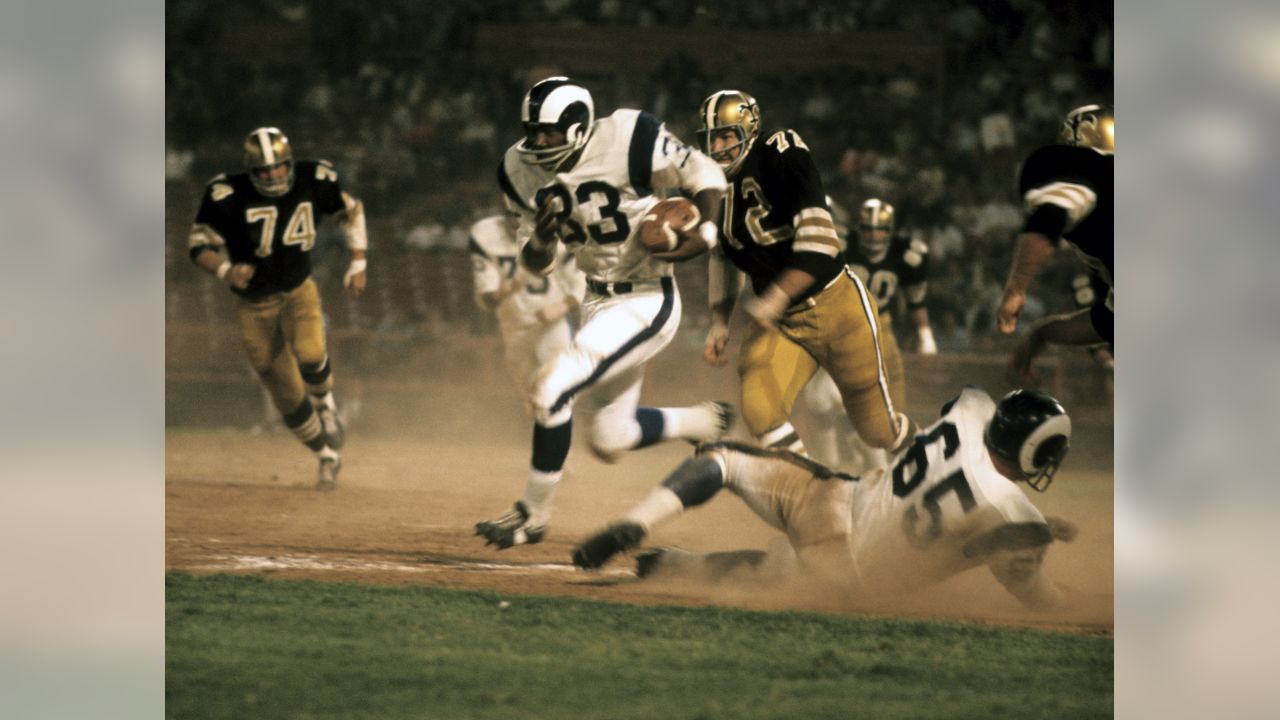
(941, 507)
(274, 234)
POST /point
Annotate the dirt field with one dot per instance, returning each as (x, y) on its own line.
(418, 473)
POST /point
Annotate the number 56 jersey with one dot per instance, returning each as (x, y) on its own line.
(605, 194)
(941, 507)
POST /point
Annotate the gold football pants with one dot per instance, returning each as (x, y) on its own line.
(281, 332)
(838, 330)
(893, 363)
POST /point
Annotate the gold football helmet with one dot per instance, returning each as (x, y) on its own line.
(729, 110)
(875, 228)
(1092, 126)
(266, 151)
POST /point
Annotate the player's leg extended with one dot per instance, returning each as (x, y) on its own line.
(846, 332)
(893, 366)
(620, 333)
(773, 370)
(303, 324)
(826, 419)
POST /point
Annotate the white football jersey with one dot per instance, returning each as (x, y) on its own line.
(629, 158)
(932, 512)
(493, 259)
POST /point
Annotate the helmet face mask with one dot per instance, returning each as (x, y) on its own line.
(725, 112)
(555, 103)
(1091, 126)
(266, 150)
(875, 228)
(1031, 432)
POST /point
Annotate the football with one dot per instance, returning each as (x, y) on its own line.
(658, 229)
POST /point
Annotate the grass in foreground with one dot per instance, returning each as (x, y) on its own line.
(245, 647)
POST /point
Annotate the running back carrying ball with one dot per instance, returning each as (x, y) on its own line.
(658, 229)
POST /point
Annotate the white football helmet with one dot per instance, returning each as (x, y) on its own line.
(560, 103)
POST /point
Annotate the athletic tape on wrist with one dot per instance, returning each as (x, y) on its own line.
(223, 269)
(710, 235)
(355, 268)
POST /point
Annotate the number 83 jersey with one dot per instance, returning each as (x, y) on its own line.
(941, 507)
(274, 234)
(605, 194)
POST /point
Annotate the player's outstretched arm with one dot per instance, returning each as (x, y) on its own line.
(1031, 252)
(724, 282)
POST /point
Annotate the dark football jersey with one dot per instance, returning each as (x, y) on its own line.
(1069, 193)
(905, 267)
(275, 235)
(778, 181)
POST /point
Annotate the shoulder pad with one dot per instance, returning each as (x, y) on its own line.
(783, 140)
(913, 254)
(325, 171)
(219, 188)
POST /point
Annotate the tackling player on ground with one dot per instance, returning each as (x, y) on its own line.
(949, 502)
(586, 184)
(808, 310)
(255, 230)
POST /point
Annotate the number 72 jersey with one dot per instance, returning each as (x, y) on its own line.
(941, 507)
(274, 234)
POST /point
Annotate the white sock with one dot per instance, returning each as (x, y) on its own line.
(538, 494)
(327, 453)
(659, 506)
(690, 423)
(323, 401)
(783, 436)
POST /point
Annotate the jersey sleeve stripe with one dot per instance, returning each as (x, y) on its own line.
(1077, 200)
(813, 246)
(508, 188)
(203, 235)
(640, 154)
(475, 249)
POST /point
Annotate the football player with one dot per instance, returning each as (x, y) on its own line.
(255, 231)
(949, 502)
(532, 310)
(1068, 193)
(586, 184)
(1086, 290)
(885, 262)
(808, 311)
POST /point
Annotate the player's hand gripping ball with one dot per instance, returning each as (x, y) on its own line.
(658, 228)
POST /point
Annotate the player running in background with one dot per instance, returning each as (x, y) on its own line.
(949, 502)
(1069, 195)
(532, 310)
(886, 263)
(255, 230)
(808, 310)
(586, 184)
